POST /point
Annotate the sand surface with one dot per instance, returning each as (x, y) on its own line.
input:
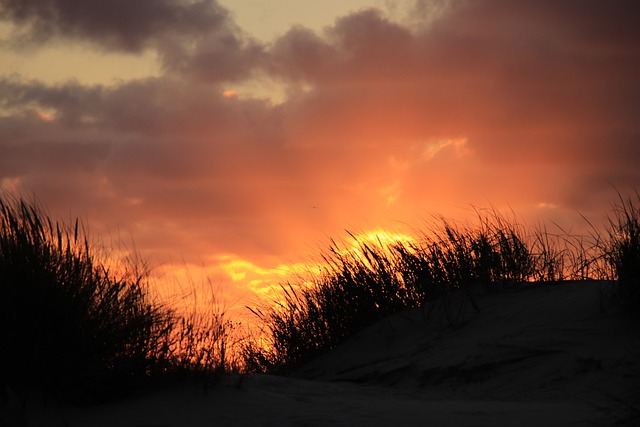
(551, 355)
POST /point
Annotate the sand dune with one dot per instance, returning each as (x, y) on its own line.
(551, 355)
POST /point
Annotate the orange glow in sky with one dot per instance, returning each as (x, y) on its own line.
(232, 141)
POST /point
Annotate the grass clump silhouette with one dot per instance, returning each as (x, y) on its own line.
(622, 252)
(77, 327)
(362, 284)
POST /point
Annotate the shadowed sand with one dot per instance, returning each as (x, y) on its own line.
(531, 356)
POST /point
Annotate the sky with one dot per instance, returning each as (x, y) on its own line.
(229, 140)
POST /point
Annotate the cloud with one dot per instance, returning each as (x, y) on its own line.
(301, 55)
(221, 55)
(507, 102)
(184, 152)
(432, 148)
(113, 24)
(545, 85)
(197, 38)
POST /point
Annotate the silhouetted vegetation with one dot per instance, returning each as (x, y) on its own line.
(80, 327)
(369, 281)
(622, 252)
(360, 285)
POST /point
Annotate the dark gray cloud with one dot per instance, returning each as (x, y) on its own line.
(301, 54)
(197, 38)
(114, 24)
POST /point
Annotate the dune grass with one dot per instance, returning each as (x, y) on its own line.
(362, 284)
(81, 327)
(365, 283)
(621, 251)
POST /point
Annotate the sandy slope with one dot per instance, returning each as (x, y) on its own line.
(536, 356)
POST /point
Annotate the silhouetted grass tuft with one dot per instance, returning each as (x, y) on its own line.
(369, 281)
(79, 328)
(361, 284)
(622, 252)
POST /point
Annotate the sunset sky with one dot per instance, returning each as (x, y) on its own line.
(233, 138)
